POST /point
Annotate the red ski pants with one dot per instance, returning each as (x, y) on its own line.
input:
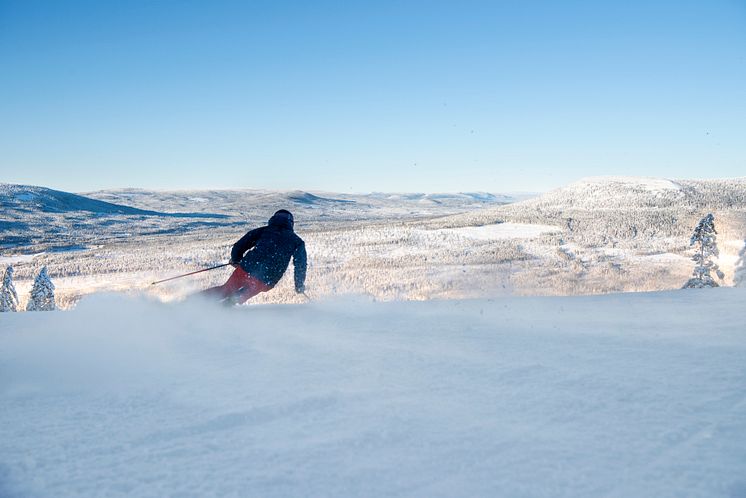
(239, 288)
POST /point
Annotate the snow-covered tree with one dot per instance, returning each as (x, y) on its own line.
(739, 278)
(8, 295)
(705, 238)
(42, 293)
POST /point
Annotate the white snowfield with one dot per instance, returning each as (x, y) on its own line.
(16, 258)
(621, 395)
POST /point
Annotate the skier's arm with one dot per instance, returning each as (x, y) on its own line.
(244, 244)
(299, 264)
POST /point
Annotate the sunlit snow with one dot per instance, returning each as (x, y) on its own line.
(619, 395)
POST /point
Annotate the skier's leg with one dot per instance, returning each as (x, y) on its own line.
(252, 287)
(234, 283)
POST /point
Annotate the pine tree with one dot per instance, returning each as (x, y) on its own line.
(42, 293)
(705, 237)
(8, 295)
(739, 278)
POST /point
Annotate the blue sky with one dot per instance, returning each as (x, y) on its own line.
(369, 96)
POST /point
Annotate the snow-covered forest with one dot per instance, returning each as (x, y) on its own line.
(598, 235)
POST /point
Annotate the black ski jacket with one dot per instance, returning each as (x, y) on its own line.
(269, 251)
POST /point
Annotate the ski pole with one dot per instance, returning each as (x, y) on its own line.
(190, 273)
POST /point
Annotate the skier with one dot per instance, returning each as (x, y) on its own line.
(258, 270)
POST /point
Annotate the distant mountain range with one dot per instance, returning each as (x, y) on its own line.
(44, 218)
(39, 218)
(236, 202)
(593, 211)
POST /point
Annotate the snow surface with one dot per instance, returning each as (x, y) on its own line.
(617, 395)
(13, 259)
(666, 258)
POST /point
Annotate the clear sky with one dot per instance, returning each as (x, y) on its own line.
(369, 96)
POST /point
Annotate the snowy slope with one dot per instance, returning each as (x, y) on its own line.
(625, 196)
(35, 219)
(623, 395)
(643, 215)
(613, 192)
(33, 199)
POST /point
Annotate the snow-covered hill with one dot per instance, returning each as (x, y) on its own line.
(652, 214)
(633, 395)
(40, 219)
(623, 194)
(619, 233)
(639, 192)
(36, 200)
(597, 235)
